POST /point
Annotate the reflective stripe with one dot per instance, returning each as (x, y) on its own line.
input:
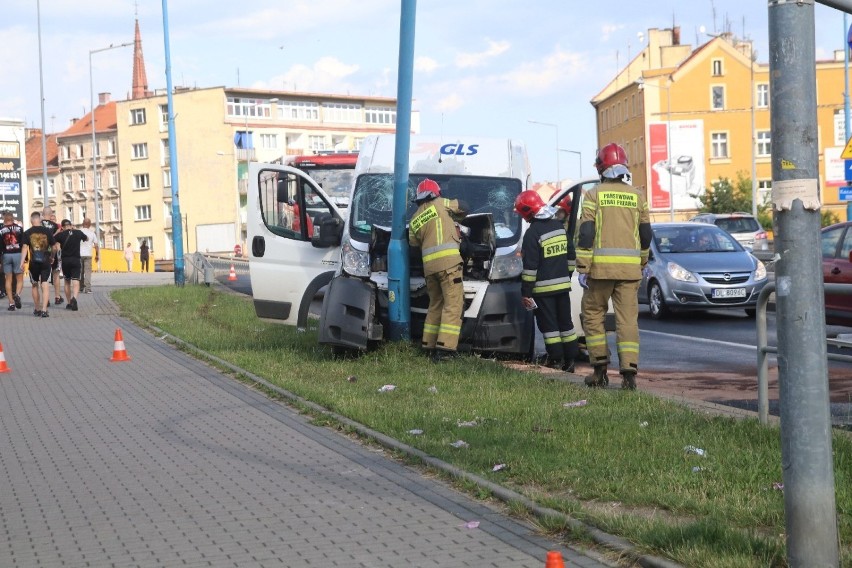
(424, 217)
(430, 328)
(569, 338)
(553, 281)
(618, 199)
(554, 288)
(588, 205)
(584, 253)
(432, 250)
(443, 254)
(628, 347)
(528, 277)
(551, 337)
(616, 252)
(555, 246)
(618, 260)
(595, 340)
(551, 234)
(449, 329)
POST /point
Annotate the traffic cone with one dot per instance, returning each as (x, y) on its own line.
(4, 368)
(232, 276)
(119, 352)
(554, 560)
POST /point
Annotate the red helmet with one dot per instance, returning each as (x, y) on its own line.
(427, 189)
(528, 203)
(566, 203)
(610, 155)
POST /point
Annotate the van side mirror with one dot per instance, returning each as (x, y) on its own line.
(328, 231)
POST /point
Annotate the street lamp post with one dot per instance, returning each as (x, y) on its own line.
(94, 141)
(579, 155)
(642, 84)
(558, 177)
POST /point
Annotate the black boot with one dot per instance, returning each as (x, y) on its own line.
(568, 366)
(628, 380)
(598, 378)
(441, 355)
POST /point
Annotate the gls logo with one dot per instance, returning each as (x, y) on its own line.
(459, 149)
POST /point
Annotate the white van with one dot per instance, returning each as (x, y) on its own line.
(300, 243)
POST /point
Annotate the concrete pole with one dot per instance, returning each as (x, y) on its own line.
(177, 220)
(807, 465)
(44, 182)
(399, 294)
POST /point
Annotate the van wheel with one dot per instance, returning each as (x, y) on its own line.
(656, 302)
(751, 312)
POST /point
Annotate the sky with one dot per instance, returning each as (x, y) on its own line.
(482, 67)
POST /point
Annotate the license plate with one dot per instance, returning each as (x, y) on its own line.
(729, 292)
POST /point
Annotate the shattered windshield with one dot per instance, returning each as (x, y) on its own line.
(373, 199)
(336, 183)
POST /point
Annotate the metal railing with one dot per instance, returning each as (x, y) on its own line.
(764, 349)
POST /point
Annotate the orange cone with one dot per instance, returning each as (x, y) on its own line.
(4, 368)
(119, 352)
(554, 560)
(232, 276)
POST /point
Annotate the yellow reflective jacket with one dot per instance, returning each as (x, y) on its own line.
(433, 230)
(615, 232)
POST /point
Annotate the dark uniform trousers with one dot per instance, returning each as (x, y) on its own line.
(446, 303)
(553, 316)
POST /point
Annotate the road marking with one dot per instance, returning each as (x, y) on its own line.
(701, 339)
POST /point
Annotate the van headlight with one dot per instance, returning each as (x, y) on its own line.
(354, 261)
(507, 266)
(760, 271)
(678, 272)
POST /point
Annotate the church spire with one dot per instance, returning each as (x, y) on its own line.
(140, 79)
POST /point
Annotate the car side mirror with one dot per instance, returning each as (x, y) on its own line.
(328, 231)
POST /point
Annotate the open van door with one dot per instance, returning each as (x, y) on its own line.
(294, 231)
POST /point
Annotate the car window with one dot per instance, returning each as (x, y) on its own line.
(738, 224)
(693, 239)
(830, 238)
(846, 248)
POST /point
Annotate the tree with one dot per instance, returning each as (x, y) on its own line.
(727, 197)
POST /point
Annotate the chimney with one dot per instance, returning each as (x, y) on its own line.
(74, 121)
(676, 35)
(103, 98)
(36, 132)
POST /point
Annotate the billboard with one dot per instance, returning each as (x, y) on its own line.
(11, 179)
(677, 171)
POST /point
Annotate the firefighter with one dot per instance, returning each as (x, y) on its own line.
(563, 214)
(433, 230)
(546, 279)
(612, 250)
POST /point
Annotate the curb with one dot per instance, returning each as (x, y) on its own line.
(611, 542)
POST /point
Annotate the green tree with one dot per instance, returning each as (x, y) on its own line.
(727, 197)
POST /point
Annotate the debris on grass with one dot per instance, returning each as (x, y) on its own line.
(433, 389)
(415, 432)
(460, 444)
(696, 469)
(351, 378)
(643, 424)
(499, 467)
(387, 388)
(777, 486)
(576, 404)
(466, 424)
(695, 451)
(541, 429)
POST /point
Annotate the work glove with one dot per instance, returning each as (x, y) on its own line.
(583, 279)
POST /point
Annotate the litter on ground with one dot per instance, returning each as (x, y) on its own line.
(695, 451)
(576, 404)
(387, 388)
(460, 444)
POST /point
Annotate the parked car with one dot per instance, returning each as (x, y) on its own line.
(695, 266)
(837, 268)
(741, 226)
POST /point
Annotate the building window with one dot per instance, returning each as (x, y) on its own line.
(82, 212)
(316, 143)
(164, 116)
(719, 145)
(143, 212)
(97, 149)
(38, 188)
(167, 177)
(763, 95)
(98, 184)
(69, 213)
(51, 187)
(269, 141)
(111, 147)
(764, 190)
(764, 143)
(717, 97)
(80, 153)
(141, 181)
(116, 212)
(116, 243)
(113, 178)
(642, 147)
(257, 108)
(68, 186)
(137, 116)
(165, 155)
(341, 112)
(81, 181)
(298, 110)
(66, 153)
(140, 151)
(717, 68)
(100, 212)
(381, 115)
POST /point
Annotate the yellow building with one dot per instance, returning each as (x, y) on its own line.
(689, 117)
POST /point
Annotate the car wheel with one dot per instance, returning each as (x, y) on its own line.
(656, 302)
(751, 312)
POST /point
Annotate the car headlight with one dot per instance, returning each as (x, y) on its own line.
(678, 272)
(760, 271)
(354, 261)
(507, 266)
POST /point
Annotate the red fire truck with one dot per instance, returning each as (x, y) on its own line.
(333, 172)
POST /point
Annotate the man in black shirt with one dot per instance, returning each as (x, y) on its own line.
(38, 243)
(69, 240)
(48, 221)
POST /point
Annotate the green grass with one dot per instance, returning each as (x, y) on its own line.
(595, 462)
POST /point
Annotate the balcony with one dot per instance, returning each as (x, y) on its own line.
(167, 193)
(245, 155)
(168, 223)
(242, 186)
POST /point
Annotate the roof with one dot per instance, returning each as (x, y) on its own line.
(240, 91)
(105, 121)
(34, 155)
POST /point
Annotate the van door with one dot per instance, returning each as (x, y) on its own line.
(294, 234)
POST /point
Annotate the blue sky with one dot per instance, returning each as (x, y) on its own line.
(483, 67)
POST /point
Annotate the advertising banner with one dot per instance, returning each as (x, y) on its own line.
(10, 178)
(677, 171)
(834, 166)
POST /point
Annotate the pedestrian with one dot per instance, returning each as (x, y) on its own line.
(612, 251)
(433, 230)
(12, 235)
(69, 240)
(48, 221)
(38, 244)
(86, 248)
(128, 256)
(546, 279)
(144, 255)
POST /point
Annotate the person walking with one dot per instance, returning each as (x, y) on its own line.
(87, 247)
(546, 279)
(128, 256)
(38, 244)
(144, 255)
(612, 250)
(11, 236)
(433, 230)
(48, 221)
(69, 240)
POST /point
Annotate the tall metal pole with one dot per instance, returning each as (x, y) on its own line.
(177, 220)
(579, 155)
(41, 97)
(806, 456)
(753, 142)
(399, 295)
(669, 149)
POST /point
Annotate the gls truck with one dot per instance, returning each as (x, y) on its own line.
(301, 242)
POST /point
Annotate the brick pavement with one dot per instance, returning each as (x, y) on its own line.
(164, 461)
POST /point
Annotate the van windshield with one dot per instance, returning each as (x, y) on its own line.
(373, 198)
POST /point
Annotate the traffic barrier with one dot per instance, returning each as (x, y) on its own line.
(554, 560)
(119, 351)
(232, 275)
(4, 368)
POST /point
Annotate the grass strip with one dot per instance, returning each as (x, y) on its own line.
(618, 462)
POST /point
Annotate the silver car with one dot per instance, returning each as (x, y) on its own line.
(741, 226)
(695, 266)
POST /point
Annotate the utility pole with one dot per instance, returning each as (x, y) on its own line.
(806, 456)
(177, 219)
(399, 293)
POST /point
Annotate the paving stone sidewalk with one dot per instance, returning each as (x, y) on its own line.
(163, 461)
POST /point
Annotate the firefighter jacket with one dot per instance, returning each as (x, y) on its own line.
(615, 232)
(545, 251)
(434, 231)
